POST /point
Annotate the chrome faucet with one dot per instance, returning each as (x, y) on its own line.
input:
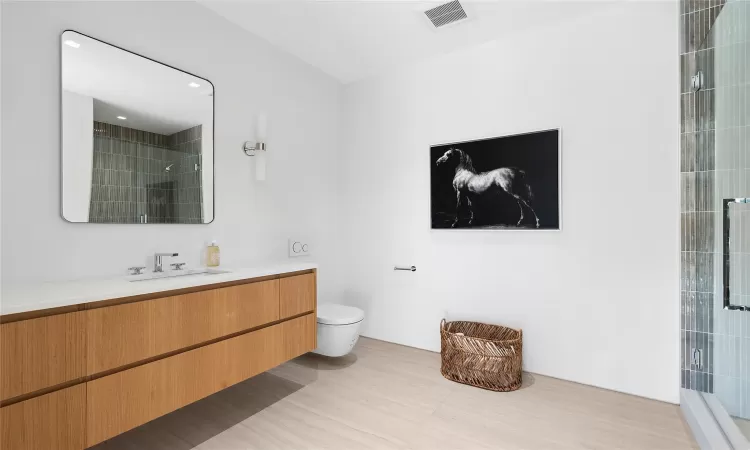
(157, 260)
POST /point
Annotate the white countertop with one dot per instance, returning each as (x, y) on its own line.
(35, 296)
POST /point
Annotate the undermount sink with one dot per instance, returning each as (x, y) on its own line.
(177, 273)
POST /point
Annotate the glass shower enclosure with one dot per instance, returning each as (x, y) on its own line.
(722, 204)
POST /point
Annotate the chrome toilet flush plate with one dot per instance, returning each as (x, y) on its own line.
(298, 247)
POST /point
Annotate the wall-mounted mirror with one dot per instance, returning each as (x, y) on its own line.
(137, 138)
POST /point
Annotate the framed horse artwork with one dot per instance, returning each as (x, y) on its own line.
(508, 182)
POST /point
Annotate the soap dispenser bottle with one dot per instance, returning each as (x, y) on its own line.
(212, 255)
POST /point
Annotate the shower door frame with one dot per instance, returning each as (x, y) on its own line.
(726, 241)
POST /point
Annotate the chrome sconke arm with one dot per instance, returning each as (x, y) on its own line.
(250, 149)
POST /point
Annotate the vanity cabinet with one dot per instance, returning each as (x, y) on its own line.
(297, 295)
(108, 368)
(50, 421)
(124, 334)
(42, 352)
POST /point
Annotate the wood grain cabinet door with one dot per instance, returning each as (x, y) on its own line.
(41, 353)
(125, 334)
(299, 336)
(185, 320)
(51, 421)
(119, 335)
(124, 400)
(297, 295)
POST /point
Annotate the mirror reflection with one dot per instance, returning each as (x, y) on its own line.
(137, 138)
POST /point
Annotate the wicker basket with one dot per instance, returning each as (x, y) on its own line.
(481, 355)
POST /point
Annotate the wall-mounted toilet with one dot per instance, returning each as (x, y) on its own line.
(338, 329)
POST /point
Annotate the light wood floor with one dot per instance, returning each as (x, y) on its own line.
(385, 396)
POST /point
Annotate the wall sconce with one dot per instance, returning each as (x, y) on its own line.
(249, 148)
(258, 149)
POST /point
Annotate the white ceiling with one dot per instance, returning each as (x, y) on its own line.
(354, 39)
(153, 97)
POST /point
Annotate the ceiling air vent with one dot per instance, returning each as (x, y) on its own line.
(446, 13)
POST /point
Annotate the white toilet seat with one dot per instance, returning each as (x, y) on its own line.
(338, 329)
(332, 314)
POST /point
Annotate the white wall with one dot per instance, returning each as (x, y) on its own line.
(78, 148)
(253, 220)
(2, 125)
(598, 301)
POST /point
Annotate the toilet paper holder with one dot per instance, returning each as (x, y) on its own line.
(410, 268)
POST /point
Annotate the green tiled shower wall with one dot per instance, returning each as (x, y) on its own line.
(131, 183)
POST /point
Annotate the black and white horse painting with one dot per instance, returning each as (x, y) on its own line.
(505, 182)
